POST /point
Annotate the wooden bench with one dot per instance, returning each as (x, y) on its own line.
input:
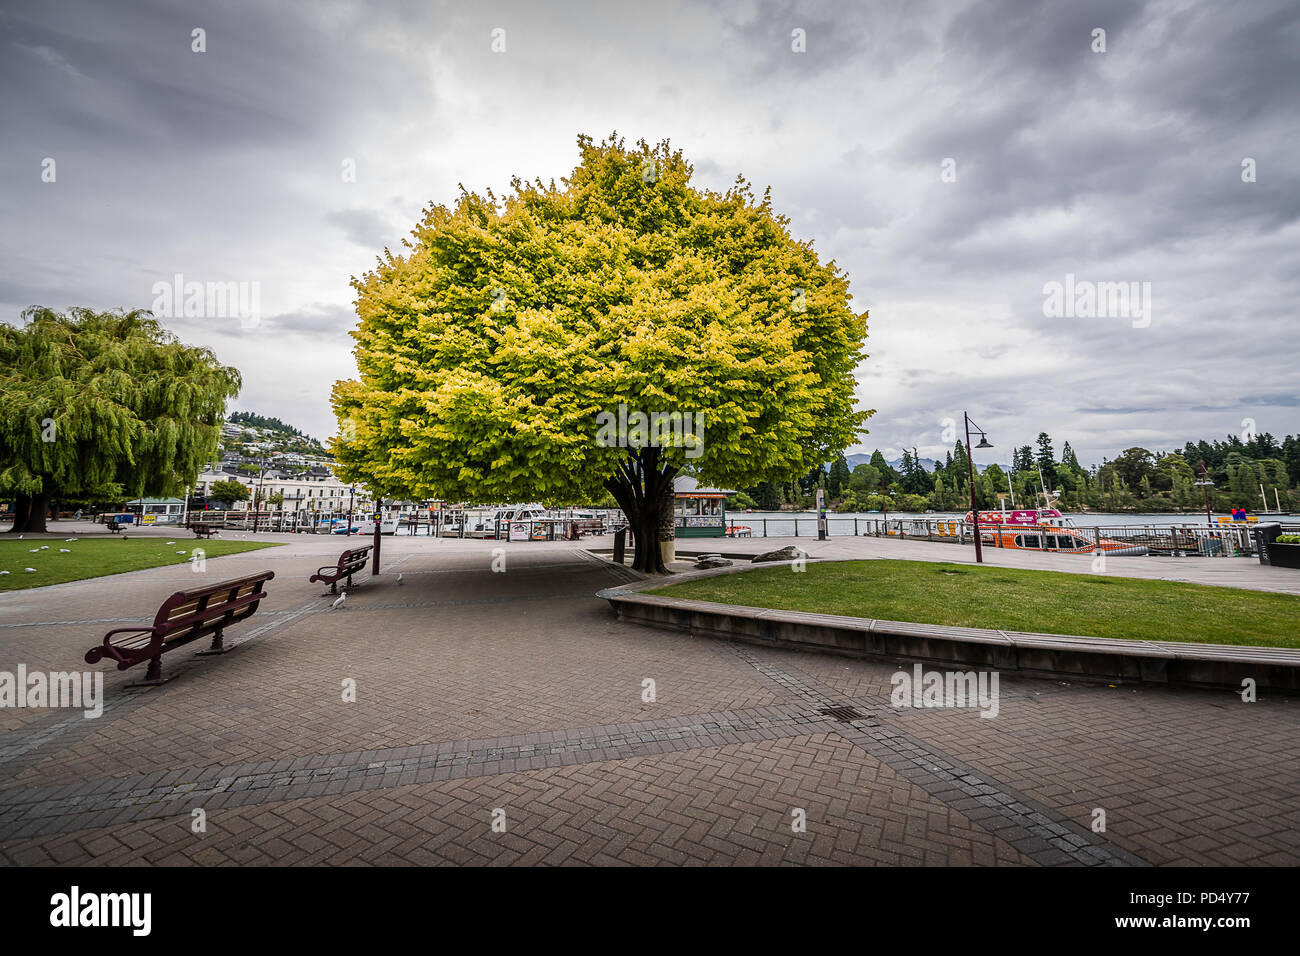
(202, 529)
(184, 617)
(350, 562)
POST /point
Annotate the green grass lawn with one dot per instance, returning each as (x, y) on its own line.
(1014, 600)
(95, 557)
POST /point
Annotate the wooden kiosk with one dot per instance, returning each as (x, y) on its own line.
(699, 512)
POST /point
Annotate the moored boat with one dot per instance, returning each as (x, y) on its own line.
(1045, 529)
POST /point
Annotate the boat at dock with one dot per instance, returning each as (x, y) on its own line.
(1046, 529)
(364, 526)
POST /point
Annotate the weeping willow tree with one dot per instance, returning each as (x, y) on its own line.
(103, 405)
(557, 343)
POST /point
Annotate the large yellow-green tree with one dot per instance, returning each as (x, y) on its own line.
(489, 350)
(103, 405)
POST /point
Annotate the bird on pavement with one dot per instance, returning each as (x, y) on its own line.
(399, 579)
(338, 601)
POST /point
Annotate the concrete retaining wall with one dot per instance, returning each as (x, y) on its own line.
(1046, 655)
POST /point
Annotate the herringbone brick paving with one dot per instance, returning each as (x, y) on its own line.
(460, 653)
(731, 804)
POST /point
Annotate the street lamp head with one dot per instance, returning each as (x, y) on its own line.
(984, 442)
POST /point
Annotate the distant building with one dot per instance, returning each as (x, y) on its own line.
(157, 510)
(316, 490)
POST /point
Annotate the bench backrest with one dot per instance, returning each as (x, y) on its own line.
(212, 604)
(354, 555)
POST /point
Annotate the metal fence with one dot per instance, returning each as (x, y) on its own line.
(1219, 540)
(468, 523)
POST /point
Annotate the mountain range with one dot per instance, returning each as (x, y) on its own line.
(929, 464)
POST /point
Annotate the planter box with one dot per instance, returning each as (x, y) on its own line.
(1284, 555)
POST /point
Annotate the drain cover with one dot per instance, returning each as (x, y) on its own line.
(843, 714)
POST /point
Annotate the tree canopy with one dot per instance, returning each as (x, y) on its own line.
(228, 490)
(103, 405)
(489, 350)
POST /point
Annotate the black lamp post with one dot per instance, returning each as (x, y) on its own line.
(1206, 484)
(257, 495)
(970, 465)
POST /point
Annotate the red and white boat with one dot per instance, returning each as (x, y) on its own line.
(1044, 529)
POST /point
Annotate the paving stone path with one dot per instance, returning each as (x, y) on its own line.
(507, 718)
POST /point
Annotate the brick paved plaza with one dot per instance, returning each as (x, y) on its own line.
(479, 691)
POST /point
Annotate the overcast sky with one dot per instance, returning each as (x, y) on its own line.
(1116, 166)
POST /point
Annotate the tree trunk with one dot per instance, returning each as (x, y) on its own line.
(639, 488)
(36, 516)
(22, 513)
(667, 532)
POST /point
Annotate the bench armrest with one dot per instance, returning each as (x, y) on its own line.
(96, 654)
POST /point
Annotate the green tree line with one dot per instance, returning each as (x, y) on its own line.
(1259, 474)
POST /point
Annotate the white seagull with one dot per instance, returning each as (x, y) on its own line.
(399, 579)
(65, 550)
(32, 570)
(338, 601)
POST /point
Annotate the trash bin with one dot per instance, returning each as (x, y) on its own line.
(620, 544)
(1265, 534)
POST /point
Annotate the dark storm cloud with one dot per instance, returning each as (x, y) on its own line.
(1123, 166)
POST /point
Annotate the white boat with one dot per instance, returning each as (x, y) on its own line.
(516, 522)
(387, 525)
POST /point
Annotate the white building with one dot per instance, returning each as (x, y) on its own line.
(307, 492)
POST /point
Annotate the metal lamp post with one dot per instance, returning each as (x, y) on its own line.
(1206, 484)
(257, 496)
(970, 466)
(352, 495)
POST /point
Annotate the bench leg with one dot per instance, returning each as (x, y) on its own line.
(153, 676)
(218, 646)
